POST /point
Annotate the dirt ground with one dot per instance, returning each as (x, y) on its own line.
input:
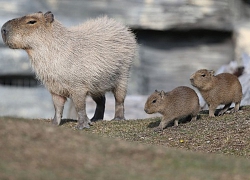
(228, 134)
(209, 148)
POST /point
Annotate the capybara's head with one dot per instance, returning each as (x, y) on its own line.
(154, 102)
(21, 33)
(202, 79)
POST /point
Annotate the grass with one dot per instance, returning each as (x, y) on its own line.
(209, 148)
(228, 134)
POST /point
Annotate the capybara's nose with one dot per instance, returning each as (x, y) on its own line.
(191, 77)
(4, 32)
(192, 81)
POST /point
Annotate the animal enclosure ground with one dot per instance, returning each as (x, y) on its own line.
(209, 148)
(228, 134)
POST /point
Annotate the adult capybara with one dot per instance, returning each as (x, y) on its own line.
(89, 59)
(224, 88)
(174, 105)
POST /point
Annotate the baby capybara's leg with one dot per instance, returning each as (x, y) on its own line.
(162, 125)
(236, 108)
(59, 102)
(100, 107)
(225, 108)
(194, 117)
(176, 122)
(212, 110)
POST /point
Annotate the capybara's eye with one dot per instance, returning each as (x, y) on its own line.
(203, 75)
(154, 101)
(31, 22)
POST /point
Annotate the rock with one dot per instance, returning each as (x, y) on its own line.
(241, 38)
(148, 14)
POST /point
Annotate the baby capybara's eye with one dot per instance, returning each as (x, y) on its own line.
(31, 22)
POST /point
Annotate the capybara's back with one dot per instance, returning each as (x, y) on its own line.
(106, 50)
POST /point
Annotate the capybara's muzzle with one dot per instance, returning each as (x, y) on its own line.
(4, 31)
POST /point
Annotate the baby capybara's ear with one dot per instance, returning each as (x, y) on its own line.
(162, 94)
(211, 72)
(49, 17)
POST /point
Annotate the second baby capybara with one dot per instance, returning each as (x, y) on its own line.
(224, 88)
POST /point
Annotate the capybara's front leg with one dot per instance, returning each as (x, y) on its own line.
(162, 125)
(80, 104)
(212, 110)
(83, 120)
(59, 102)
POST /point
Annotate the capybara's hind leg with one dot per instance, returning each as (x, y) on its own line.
(100, 108)
(236, 108)
(194, 117)
(225, 108)
(119, 103)
(59, 102)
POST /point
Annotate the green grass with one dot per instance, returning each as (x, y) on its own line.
(216, 148)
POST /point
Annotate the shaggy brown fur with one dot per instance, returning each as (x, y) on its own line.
(174, 105)
(224, 89)
(89, 59)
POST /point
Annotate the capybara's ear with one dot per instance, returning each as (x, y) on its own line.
(162, 94)
(39, 12)
(49, 17)
(156, 90)
(211, 72)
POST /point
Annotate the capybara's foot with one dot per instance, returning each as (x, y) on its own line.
(157, 129)
(194, 118)
(119, 118)
(95, 119)
(54, 122)
(90, 123)
(82, 126)
(221, 113)
(233, 111)
(211, 115)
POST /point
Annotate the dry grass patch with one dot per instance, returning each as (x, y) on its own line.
(33, 149)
